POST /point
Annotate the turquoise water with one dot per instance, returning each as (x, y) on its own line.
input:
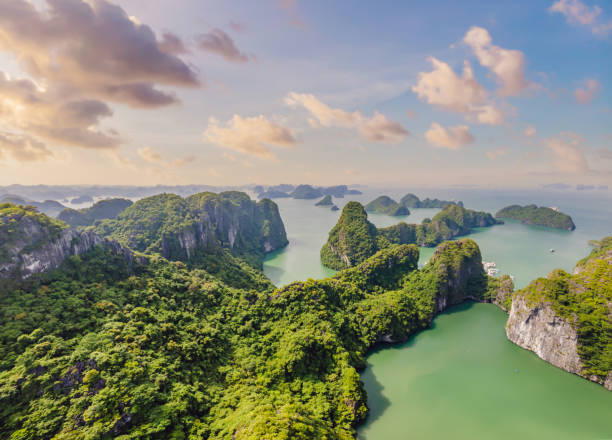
(462, 379)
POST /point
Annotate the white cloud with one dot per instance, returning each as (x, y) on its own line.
(377, 128)
(587, 93)
(507, 65)
(443, 88)
(152, 156)
(495, 154)
(530, 130)
(452, 138)
(568, 154)
(250, 135)
(23, 148)
(579, 14)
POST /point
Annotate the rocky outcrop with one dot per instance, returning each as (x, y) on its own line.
(38, 248)
(537, 328)
(184, 228)
(566, 318)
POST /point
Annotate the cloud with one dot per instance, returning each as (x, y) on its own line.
(377, 128)
(43, 114)
(494, 154)
(250, 135)
(568, 154)
(23, 148)
(443, 88)
(291, 8)
(452, 138)
(579, 14)
(219, 42)
(172, 44)
(411, 114)
(586, 94)
(80, 56)
(152, 156)
(530, 130)
(237, 26)
(605, 153)
(507, 65)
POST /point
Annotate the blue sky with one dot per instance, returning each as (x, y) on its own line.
(514, 93)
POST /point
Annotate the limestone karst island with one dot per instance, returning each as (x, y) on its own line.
(305, 220)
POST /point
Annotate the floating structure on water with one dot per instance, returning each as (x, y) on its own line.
(490, 267)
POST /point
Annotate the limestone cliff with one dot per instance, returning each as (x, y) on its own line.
(33, 243)
(184, 229)
(566, 318)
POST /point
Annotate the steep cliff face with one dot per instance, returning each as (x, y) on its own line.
(184, 229)
(458, 266)
(33, 243)
(539, 329)
(566, 319)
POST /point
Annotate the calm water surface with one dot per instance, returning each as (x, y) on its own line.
(462, 379)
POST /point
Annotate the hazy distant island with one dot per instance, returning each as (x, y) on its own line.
(534, 215)
(48, 207)
(82, 199)
(303, 191)
(325, 201)
(412, 201)
(354, 238)
(335, 208)
(386, 205)
(104, 209)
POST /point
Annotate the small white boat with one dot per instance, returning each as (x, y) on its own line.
(551, 250)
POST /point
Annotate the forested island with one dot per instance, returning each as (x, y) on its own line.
(534, 215)
(112, 339)
(325, 201)
(386, 205)
(412, 201)
(354, 238)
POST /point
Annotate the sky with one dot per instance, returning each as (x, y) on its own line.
(144, 92)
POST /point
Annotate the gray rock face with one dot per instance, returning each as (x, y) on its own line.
(537, 328)
(36, 252)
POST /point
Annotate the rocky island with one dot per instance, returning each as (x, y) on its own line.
(412, 201)
(534, 215)
(386, 205)
(325, 201)
(565, 318)
(354, 238)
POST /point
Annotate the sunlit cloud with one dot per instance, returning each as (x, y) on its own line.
(250, 135)
(452, 138)
(589, 90)
(568, 154)
(507, 65)
(579, 14)
(443, 88)
(377, 128)
(23, 148)
(219, 42)
(530, 130)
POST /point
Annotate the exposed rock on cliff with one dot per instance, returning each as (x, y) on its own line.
(187, 229)
(567, 319)
(33, 243)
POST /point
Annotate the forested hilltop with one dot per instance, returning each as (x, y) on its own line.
(199, 227)
(534, 215)
(97, 348)
(104, 209)
(354, 238)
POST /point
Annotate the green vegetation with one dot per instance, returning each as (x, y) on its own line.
(104, 209)
(325, 201)
(386, 205)
(188, 229)
(48, 207)
(351, 240)
(583, 299)
(412, 201)
(542, 216)
(23, 226)
(354, 238)
(98, 349)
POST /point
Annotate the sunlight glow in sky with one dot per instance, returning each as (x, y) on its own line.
(515, 93)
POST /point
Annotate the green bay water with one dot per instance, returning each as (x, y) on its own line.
(462, 378)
